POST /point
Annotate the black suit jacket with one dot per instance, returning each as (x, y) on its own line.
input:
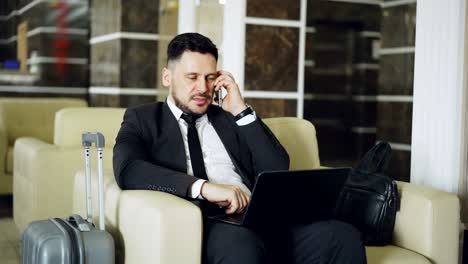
(149, 152)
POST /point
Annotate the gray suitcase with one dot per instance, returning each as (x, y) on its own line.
(73, 240)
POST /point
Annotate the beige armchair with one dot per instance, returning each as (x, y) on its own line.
(156, 227)
(26, 117)
(44, 172)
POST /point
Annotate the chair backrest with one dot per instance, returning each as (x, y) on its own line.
(70, 123)
(32, 117)
(299, 139)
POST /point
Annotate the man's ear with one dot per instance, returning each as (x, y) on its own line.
(166, 77)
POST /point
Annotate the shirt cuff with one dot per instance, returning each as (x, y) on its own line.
(247, 119)
(195, 190)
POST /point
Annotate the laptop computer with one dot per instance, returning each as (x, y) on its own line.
(290, 197)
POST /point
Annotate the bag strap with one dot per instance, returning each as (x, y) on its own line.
(376, 159)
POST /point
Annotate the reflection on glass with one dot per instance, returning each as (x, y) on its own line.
(347, 80)
(398, 26)
(210, 16)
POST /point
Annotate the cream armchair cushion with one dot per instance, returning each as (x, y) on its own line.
(44, 172)
(150, 225)
(299, 138)
(26, 117)
(147, 226)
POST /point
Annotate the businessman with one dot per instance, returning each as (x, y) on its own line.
(192, 148)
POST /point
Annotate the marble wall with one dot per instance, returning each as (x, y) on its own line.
(273, 107)
(271, 58)
(131, 62)
(341, 67)
(351, 76)
(140, 16)
(278, 9)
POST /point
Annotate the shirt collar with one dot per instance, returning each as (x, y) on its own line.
(174, 109)
(177, 112)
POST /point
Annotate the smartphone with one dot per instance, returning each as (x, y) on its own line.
(218, 97)
(219, 94)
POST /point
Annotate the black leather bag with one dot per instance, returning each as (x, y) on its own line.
(369, 200)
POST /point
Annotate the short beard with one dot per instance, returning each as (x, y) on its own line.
(184, 107)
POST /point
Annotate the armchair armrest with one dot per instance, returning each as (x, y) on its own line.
(428, 222)
(146, 225)
(43, 179)
(159, 226)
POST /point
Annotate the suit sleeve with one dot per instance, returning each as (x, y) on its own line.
(133, 168)
(267, 153)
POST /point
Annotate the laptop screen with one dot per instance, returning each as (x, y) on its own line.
(295, 197)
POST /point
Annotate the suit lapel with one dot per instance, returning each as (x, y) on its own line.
(225, 131)
(172, 138)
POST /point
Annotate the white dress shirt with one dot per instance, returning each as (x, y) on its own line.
(218, 165)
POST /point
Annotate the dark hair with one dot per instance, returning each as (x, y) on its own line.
(190, 41)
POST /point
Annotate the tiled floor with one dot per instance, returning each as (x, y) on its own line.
(9, 242)
(9, 235)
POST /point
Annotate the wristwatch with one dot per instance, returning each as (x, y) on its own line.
(249, 110)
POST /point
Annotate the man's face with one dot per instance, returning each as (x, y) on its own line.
(190, 80)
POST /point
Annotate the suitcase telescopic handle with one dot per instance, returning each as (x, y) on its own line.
(88, 138)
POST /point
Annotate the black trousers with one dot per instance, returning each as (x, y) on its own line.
(320, 242)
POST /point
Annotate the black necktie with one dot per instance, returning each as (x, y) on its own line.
(196, 155)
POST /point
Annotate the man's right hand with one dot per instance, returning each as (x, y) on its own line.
(229, 196)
